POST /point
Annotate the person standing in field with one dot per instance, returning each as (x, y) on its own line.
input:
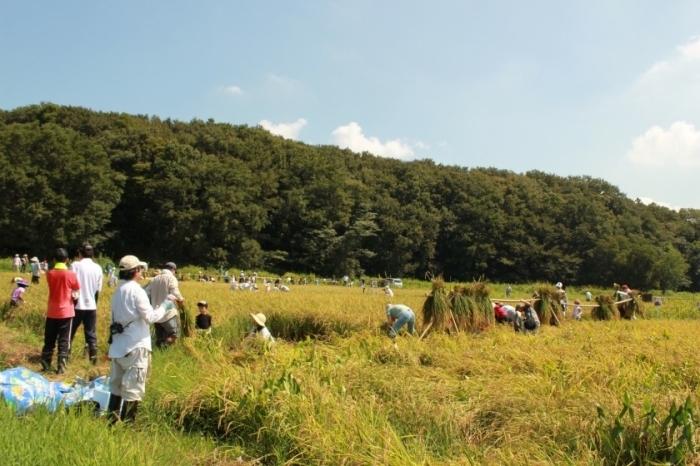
(589, 296)
(24, 261)
(89, 275)
(63, 283)
(388, 291)
(130, 340)
(398, 315)
(35, 269)
(16, 262)
(576, 314)
(509, 290)
(168, 327)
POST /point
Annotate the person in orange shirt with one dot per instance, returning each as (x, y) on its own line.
(60, 311)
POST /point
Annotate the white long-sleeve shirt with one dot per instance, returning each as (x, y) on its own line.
(131, 308)
(89, 276)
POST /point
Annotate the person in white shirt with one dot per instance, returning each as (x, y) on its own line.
(259, 329)
(90, 278)
(388, 291)
(130, 340)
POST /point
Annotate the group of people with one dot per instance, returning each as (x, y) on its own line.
(133, 309)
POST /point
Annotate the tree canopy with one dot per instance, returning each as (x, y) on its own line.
(216, 194)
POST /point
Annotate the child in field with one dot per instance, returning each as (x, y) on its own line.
(17, 296)
(259, 329)
(577, 310)
(203, 320)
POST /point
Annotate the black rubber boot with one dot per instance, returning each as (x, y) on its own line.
(46, 361)
(92, 351)
(114, 408)
(62, 363)
(129, 411)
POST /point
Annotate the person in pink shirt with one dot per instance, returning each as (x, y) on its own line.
(60, 312)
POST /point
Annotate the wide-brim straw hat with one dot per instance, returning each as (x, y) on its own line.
(34, 259)
(259, 319)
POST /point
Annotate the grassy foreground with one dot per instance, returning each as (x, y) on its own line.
(335, 390)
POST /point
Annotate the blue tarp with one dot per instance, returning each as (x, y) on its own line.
(25, 389)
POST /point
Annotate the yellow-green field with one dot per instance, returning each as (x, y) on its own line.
(335, 390)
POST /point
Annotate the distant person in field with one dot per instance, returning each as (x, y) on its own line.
(17, 296)
(563, 300)
(203, 320)
(63, 284)
(16, 263)
(530, 321)
(509, 290)
(259, 330)
(89, 275)
(168, 327)
(24, 261)
(35, 268)
(589, 295)
(398, 315)
(388, 291)
(499, 313)
(576, 314)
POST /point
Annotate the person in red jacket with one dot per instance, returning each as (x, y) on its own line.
(60, 311)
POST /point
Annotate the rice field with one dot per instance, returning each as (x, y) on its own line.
(335, 390)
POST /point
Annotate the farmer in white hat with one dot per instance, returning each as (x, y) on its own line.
(259, 329)
(130, 340)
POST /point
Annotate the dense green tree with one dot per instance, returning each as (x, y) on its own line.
(216, 194)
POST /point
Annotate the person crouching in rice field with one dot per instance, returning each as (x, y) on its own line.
(398, 315)
(130, 339)
(203, 320)
(499, 313)
(17, 296)
(259, 330)
(529, 322)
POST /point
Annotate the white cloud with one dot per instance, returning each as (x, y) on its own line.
(421, 145)
(675, 76)
(691, 50)
(657, 147)
(648, 200)
(350, 136)
(286, 130)
(234, 90)
(282, 80)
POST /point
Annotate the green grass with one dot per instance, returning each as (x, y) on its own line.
(335, 390)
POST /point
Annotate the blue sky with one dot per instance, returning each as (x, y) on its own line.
(600, 88)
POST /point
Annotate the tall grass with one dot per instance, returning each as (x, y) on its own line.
(335, 390)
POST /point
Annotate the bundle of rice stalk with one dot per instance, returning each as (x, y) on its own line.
(482, 309)
(436, 309)
(605, 309)
(547, 303)
(461, 309)
(186, 321)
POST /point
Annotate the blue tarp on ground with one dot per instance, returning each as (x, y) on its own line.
(25, 389)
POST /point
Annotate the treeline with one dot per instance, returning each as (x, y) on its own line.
(209, 193)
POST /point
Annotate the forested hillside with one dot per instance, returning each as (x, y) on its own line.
(210, 193)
